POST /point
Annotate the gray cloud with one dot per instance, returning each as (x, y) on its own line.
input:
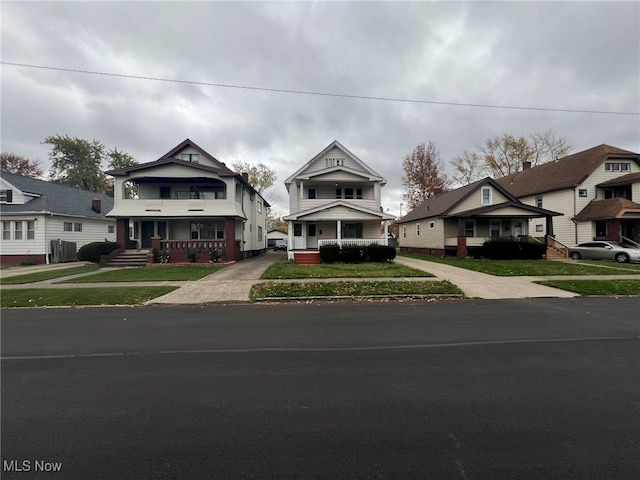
(573, 55)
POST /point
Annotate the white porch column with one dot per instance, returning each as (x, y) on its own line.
(339, 232)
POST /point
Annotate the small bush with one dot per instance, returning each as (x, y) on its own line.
(91, 252)
(380, 253)
(353, 254)
(512, 249)
(330, 253)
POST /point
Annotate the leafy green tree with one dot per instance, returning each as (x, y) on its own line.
(12, 163)
(117, 160)
(422, 178)
(77, 162)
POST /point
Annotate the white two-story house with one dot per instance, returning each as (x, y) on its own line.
(597, 190)
(335, 198)
(189, 201)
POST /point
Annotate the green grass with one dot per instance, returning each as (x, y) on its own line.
(597, 287)
(46, 275)
(287, 269)
(149, 274)
(43, 297)
(355, 289)
(629, 268)
(531, 268)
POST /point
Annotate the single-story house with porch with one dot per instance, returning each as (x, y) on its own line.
(45, 222)
(189, 201)
(461, 220)
(334, 198)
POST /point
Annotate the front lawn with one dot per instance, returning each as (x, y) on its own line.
(597, 287)
(289, 269)
(149, 274)
(50, 297)
(46, 275)
(352, 289)
(530, 268)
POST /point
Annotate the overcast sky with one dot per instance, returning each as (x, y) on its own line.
(549, 55)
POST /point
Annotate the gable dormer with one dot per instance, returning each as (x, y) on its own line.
(188, 151)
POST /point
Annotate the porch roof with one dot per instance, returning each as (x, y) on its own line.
(604, 209)
(495, 211)
(333, 205)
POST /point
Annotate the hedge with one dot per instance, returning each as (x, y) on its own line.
(512, 249)
(332, 253)
(91, 252)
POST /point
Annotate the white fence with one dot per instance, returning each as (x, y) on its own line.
(361, 242)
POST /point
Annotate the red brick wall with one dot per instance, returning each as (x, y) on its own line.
(7, 260)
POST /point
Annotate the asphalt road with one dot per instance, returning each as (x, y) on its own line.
(520, 389)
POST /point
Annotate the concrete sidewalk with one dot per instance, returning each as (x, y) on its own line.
(482, 285)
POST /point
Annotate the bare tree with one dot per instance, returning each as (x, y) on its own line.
(12, 163)
(422, 178)
(505, 154)
(469, 167)
(548, 147)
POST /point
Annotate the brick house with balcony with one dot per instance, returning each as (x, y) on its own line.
(334, 198)
(188, 201)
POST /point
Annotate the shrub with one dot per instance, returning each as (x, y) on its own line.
(193, 255)
(380, 253)
(512, 249)
(353, 254)
(330, 253)
(91, 252)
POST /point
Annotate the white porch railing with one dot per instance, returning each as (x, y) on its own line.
(360, 242)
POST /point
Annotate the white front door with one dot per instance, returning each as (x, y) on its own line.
(517, 228)
(312, 235)
(298, 239)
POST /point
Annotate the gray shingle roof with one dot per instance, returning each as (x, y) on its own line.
(55, 198)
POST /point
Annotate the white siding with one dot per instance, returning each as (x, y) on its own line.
(428, 238)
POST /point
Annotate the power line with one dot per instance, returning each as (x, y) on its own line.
(320, 94)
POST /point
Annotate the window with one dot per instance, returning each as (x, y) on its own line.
(111, 229)
(6, 230)
(359, 193)
(77, 227)
(207, 231)
(404, 231)
(338, 193)
(190, 157)
(582, 192)
(486, 195)
(539, 228)
(259, 206)
(617, 167)
(165, 192)
(334, 161)
(348, 193)
(432, 225)
(6, 196)
(31, 230)
(539, 201)
(601, 228)
(17, 232)
(67, 227)
(259, 233)
(297, 229)
(311, 193)
(352, 230)
(417, 229)
(469, 228)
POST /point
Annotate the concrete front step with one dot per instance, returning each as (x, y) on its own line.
(307, 258)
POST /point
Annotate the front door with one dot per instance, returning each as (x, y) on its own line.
(297, 236)
(517, 228)
(312, 236)
(147, 233)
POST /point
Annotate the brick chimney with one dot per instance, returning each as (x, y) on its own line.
(526, 165)
(96, 205)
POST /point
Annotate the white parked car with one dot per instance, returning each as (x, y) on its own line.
(605, 251)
